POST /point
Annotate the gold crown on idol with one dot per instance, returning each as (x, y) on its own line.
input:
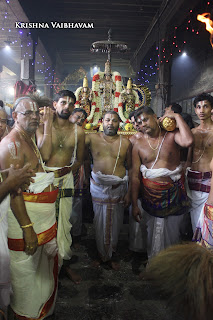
(107, 68)
(129, 84)
(85, 82)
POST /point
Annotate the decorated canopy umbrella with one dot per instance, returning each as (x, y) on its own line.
(109, 46)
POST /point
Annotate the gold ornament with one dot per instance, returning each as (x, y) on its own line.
(168, 124)
(128, 127)
(101, 127)
(107, 68)
(129, 84)
(85, 82)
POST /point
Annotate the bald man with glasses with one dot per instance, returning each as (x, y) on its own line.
(31, 220)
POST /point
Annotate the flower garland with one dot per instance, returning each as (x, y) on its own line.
(96, 110)
(77, 93)
(120, 106)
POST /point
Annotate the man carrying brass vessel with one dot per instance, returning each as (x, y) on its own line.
(157, 156)
(199, 157)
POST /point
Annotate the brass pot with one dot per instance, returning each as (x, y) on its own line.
(168, 124)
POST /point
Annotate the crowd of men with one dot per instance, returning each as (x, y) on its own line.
(45, 168)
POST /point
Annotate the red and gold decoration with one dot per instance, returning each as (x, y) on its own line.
(106, 89)
(84, 97)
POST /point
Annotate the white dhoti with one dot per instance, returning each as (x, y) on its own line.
(34, 278)
(65, 197)
(197, 181)
(5, 285)
(162, 232)
(107, 193)
(137, 232)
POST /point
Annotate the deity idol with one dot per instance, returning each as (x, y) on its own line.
(106, 88)
(84, 97)
(128, 101)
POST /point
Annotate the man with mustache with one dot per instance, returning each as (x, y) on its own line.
(156, 161)
(108, 185)
(31, 220)
(199, 157)
(61, 143)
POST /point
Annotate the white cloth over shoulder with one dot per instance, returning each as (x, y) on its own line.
(5, 286)
(175, 175)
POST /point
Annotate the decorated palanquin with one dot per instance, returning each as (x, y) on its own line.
(106, 90)
(108, 93)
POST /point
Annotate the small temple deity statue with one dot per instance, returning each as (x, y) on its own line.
(107, 89)
(84, 97)
(128, 101)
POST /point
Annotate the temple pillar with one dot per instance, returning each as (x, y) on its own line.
(28, 60)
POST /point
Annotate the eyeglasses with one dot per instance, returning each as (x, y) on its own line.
(29, 113)
(3, 121)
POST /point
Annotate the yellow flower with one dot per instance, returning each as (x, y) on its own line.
(88, 126)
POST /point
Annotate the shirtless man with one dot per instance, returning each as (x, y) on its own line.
(199, 157)
(157, 155)
(137, 232)
(3, 123)
(81, 183)
(61, 143)
(108, 185)
(31, 233)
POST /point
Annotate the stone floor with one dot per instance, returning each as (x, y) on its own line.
(105, 294)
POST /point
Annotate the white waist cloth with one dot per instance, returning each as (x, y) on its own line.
(33, 278)
(108, 211)
(108, 180)
(175, 175)
(42, 181)
(5, 286)
(64, 239)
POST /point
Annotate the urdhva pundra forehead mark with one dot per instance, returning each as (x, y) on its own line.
(33, 106)
(140, 118)
(68, 100)
(13, 149)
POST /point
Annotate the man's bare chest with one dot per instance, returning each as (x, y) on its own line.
(167, 151)
(203, 141)
(112, 150)
(63, 140)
